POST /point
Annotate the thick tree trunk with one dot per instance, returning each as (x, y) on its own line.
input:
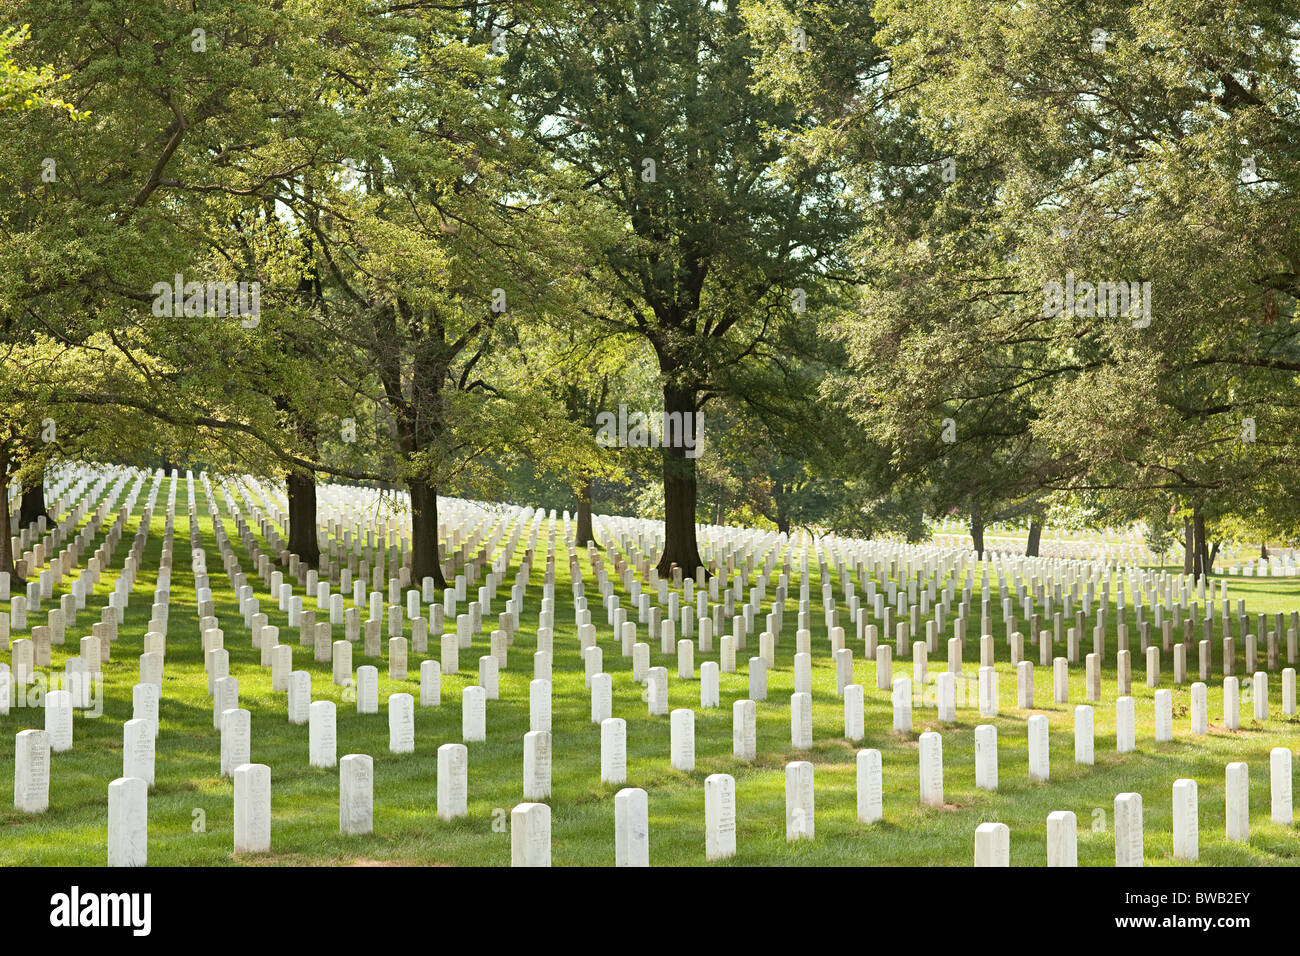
(977, 530)
(584, 515)
(424, 533)
(681, 547)
(1035, 538)
(6, 532)
(301, 486)
(1263, 550)
(1202, 549)
(782, 522)
(33, 505)
(1189, 547)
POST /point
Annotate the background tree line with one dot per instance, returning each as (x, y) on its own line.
(822, 229)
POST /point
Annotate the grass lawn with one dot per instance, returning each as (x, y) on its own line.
(190, 809)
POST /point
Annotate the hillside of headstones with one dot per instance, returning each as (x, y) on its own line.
(822, 656)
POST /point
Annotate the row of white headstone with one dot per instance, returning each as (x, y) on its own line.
(679, 723)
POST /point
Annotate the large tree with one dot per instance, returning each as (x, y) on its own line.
(653, 104)
(1101, 144)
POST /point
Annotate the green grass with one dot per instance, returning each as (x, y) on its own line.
(190, 809)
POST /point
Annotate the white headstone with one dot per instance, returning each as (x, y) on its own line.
(537, 765)
(613, 750)
(401, 724)
(539, 705)
(854, 713)
(1125, 726)
(299, 703)
(1237, 802)
(1025, 685)
(128, 821)
(31, 771)
(682, 739)
(58, 720)
(719, 816)
(530, 835)
(281, 666)
(450, 647)
(685, 658)
(1062, 838)
(1164, 715)
(986, 757)
(1128, 829)
(757, 679)
(992, 844)
(252, 808)
(473, 714)
(430, 684)
(799, 801)
(236, 739)
(342, 663)
(1279, 784)
(930, 757)
(988, 691)
(902, 701)
(453, 781)
(1200, 711)
(322, 734)
(356, 795)
(709, 684)
(631, 827)
(1083, 734)
(870, 782)
(1231, 703)
(602, 697)
(744, 729)
(138, 748)
(1186, 820)
(657, 687)
(225, 696)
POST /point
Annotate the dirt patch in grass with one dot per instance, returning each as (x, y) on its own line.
(364, 862)
(299, 859)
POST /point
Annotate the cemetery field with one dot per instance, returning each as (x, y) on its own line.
(191, 807)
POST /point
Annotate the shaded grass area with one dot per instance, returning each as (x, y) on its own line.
(191, 808)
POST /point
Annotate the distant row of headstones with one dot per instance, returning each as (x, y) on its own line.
(484, 543)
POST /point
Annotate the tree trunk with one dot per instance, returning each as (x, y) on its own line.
(33, 505)
(1035, 538)
(681, 547)
(1189, 547)
(301, 486)
(977, 529)
(6, 532)
(782, 518)
(585, 533)
(1263, 550)
(424, 533)
(1202, 562)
